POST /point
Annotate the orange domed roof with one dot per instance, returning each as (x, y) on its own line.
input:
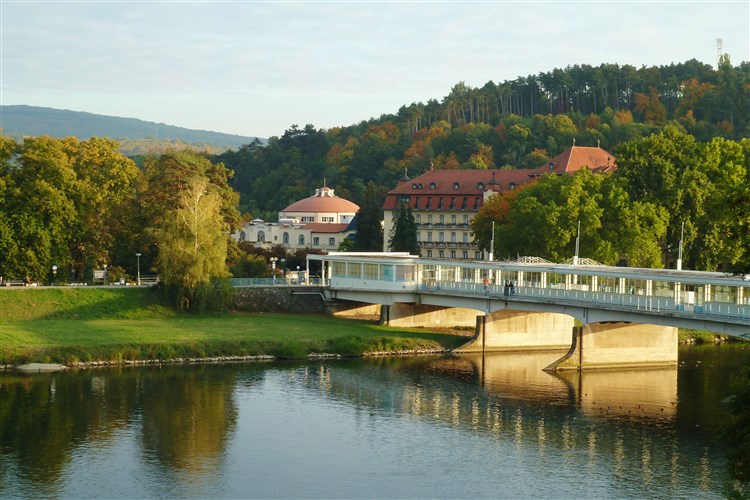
(323, 201)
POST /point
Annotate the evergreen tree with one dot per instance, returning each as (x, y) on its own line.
(404, 233)
(369, 228)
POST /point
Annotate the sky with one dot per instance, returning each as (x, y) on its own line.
(255, 68)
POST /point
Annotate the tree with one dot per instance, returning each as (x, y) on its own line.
(192, 242)
(369, 222)
(403, 237)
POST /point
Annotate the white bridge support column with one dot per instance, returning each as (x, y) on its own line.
(619, 345)
(509, 330)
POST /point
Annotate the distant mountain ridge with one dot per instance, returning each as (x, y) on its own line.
(20, 121)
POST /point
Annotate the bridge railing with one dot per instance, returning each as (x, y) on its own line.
(633, 302)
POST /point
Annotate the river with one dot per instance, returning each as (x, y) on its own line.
(415, 427)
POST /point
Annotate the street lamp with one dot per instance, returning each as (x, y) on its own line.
(105, 274)
(138, 276)
(54, 274)
(273, 268)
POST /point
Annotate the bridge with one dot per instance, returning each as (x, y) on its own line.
(616, 316)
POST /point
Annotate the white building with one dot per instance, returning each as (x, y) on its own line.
(321, 222)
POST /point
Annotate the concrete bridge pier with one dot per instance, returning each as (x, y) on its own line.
(509, 330)
(619, 345)
(402, 314)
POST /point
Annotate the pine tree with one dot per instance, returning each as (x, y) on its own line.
(404, 233)
(369, 228)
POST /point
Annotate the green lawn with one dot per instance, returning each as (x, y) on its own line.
(69, 325)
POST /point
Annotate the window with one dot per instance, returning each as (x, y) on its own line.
(242, 236)
(429, 202)
(418, 218)
(416, 202)
(301, 239)
(512, 186)
(285, 238)
(419, 236)
(429, 218)
(419, 185)
(328, 219)
(414, 186)
(441, 236)
(453, 203)
(429, 254)
(480, 185)
(331, 242)
(316, 241)
(453, 254)
(453, 236)
(404, 198)
(463, 204)
(466, 237)
(433, 185)
(456, 185)
(429, 236)
(261, 236)
(440, 203)
(453, 219)
(441, 254)
(466, 254)
(466, 219)
(477, 256)
(476, 203)
(370, 271)
(442, 219)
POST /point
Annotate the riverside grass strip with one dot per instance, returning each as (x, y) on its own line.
(280, 335)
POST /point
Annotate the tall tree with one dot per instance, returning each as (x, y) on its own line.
(369, 222)
(403, 237)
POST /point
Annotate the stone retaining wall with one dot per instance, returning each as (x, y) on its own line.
(280, 298)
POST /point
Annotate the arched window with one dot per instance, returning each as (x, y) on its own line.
(433, 185)
(242, 236)
(480, 185)
(261, 236)
(456, 185)
(301, 239)
(512, 185)
(285, 238)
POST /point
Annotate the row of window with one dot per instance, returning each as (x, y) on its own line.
(441, 202)
(441, 219)
(441, 236)
(457, 185)
(285, 239)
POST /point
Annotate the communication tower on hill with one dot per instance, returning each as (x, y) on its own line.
(719, 52)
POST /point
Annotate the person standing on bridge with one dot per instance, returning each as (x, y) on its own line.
(486, 283)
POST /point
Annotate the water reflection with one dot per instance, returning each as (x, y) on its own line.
(200, 431)
(186, 416)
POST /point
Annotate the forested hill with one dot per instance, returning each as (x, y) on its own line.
(137, 136)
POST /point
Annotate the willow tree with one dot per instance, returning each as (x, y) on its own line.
(193, 244)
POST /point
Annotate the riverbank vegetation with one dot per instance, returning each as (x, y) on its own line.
(132, 324)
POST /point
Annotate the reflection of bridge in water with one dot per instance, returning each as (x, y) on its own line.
(629, 316)
(628, 416)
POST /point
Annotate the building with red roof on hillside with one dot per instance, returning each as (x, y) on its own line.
(445, 201)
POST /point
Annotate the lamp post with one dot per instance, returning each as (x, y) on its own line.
(54, 274)
(283, 268)
(273, 268)
(138, 275)
(105, 274)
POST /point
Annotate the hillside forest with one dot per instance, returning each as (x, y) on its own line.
(679, 133)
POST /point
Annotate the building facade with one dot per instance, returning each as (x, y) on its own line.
(321, 222)
(444, 202)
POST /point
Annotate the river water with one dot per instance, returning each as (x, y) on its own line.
(426, 427)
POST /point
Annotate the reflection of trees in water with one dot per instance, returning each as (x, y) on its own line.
(187, 415)
(629, 418)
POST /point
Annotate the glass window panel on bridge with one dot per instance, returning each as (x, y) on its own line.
(370, 271)
(338, 269)
(405, 273)
(607, 284)
(386, 272)
(555, 280)
(354, 270)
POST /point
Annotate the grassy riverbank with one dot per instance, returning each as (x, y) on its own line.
(97, 324)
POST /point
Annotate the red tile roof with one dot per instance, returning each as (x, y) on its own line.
(472, 184)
